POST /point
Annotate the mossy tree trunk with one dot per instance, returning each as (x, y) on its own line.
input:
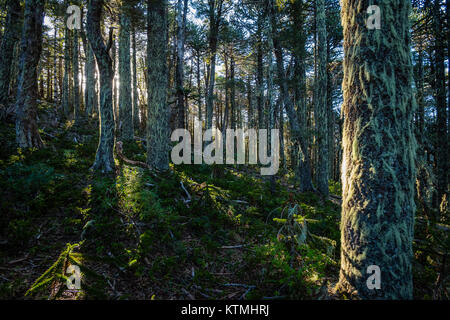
(27, 134)
(104, 158)
(126, 127)
(158, 135)
(10, 37)
(377, 221)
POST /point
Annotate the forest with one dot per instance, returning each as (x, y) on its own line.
(224, 150)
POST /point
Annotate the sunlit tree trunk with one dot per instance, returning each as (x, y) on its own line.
(10, 38)
(378, 207)
(27, 134)
(104, 158)
(126, 130)
(158, 135)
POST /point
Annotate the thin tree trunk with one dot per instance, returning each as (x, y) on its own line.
(76, 78)
(135, 82)
(182, 6)
(320, 111)
(441, 106)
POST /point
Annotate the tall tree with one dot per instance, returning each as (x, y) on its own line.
(76, 76)
(126, 130)
(136, 121)
(441, 105)
(104, 158)
(182, 7)
(27, 134)
(158, 135)
(379, 151)
(320, 111)
(66, 86)
(215, 17)
(10, 38)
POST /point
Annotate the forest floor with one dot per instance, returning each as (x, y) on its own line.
(196, 232)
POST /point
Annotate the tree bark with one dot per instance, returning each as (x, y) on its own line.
(104, 158)
(182, 6)
(126, 130)
(10, 38)
(378, 207)
(320, 112)
(441, 106)
(158, 135)
(27, 134)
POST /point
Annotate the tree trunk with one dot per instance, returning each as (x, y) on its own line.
(76, 78)
(104, 158)
(182, 6)
(441, 106)
(158, 135)
(378, 207)
(126, 130)
(214, 23)
(27, 134)
(10, 38)
(66, 87)
(320, 112)
(135, 83)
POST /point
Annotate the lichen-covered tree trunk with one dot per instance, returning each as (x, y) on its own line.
(378, 172)
(158, 135)
(126, 127)
(10, 38)
(104, 158)
(76, 78)
(27, 134)
(320, 111)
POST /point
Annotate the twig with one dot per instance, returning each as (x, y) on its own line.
(234, 247)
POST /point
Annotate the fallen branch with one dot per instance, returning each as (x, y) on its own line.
(119, 151)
